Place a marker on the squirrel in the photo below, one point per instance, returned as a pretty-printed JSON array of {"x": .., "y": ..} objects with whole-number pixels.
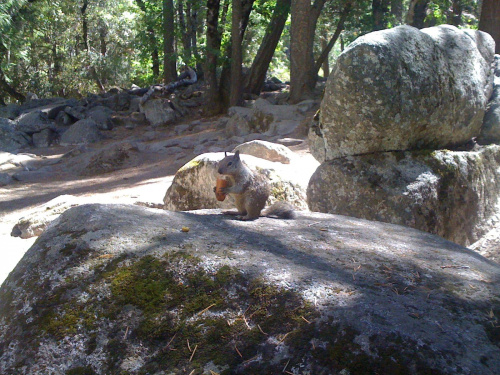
[{"x": 250, "y": 191}]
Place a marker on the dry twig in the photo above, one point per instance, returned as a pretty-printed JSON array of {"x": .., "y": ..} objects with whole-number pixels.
[
  {"x": 206, "y": 309},
  {"x": 192, "y": 354},
  {"x": 237, "y": 351}
]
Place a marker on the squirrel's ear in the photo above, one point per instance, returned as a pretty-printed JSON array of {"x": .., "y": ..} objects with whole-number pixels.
[
  {"x": 237, "y": 154},
  {"x": 225, "y": 154}
]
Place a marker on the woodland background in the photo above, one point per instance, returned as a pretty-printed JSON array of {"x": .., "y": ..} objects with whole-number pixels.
[{"x": 72, "y": 48}]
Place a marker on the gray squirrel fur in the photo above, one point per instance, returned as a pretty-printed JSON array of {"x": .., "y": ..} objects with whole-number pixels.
[{"x": 250, "y": 191}]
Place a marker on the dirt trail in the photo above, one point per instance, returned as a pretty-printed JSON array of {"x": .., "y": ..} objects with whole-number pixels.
[{"x": 145, "y": 178}]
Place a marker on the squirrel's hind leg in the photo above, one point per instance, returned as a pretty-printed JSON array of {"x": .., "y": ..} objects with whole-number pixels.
[{"x": 252, "y": 211}]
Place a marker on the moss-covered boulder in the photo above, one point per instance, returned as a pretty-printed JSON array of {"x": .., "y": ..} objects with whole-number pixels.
[
  {"x": 450, "y": 193},
  {"x": 116, "y": 289},
  {"x": 192, "y": 187}
]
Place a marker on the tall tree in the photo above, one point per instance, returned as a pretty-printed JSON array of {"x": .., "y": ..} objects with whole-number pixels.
[
  {"x": 257, "y": 75},
  {"x": 211, "y": 56},
  {"x": 169, "y": 58},
  {"x": 417, "y": 11},
  {"x": 380, "y": 10},
  {"x": 151, "y": 35},
  {"x": 183, "y": 29},
  {"x": 304, "y": 17},
  {"x": 490, "y": 21},
  {"x": 328, "y": 46},
  {"x": 236, "y": 54},
  {"x": 85, "y": 34},
  {"x": 455, "y": 16},
  {"x": 397, "y": 11}
]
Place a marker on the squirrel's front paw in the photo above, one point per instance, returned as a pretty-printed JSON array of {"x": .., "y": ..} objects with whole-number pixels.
[{"x": 215, "y": 189}]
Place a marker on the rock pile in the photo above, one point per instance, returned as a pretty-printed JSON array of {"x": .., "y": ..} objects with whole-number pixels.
[
  {"x": 43, "y": 122},
  {"x": 395, "y": 101}
]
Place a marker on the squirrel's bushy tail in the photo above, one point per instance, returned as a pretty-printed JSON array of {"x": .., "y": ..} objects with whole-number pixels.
[{"x": 281, "y": 210}]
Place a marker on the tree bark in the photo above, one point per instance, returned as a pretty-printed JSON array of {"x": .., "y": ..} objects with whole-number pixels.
[
  {"x": 183, "y": 27},
  {"x": 490, "y": 21},
  {"x": 153, "y": 43},
  {"x": 85, "y": 27},
  {"x": 397, "y": 11},
  {"x": 225, "y": 80},
  {"x": 340, "y": 27},
  {"x": 455, "y": 17},
  {"x": 302, "y": 32},
  {"x": 212, "y": 52},
  {"x": 380, "y": 9},
  {"x": 260, "y": 64},
  {"x": 169, "y": 67},
  {"x": 85, "y": 34},
  {"x": 417, "y": 11},
  {"x": 235, "y": 90},
  {"x": 8, "y": 89}
]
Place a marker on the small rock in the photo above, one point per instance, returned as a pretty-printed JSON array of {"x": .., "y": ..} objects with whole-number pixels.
[
  {"x": 180, "y": 129},
  {"x": 44, "y": 138},
  {"x": 266, "y": 150},
  {"x": 5, "y": 179}
]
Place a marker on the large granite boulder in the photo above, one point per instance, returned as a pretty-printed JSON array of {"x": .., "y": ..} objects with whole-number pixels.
[
  {"x": 33, "y": 122},
  {"x": 102, "y": 116},
  {"x": 490, "y": 132},
  {"x": 158, "y": 112},
  {"x": 192, "y": 187},
  {"x": 121, "y": 289},
  {"x": 10, "y": 138},
  {"x": 452, "y": 194},
  {"x": 81, "y": 132},
  {"x": 264, "y": 117},
  {"x": 34, "y": 223},
  {"x": 266, "y": 150},
  {"x": 406, "y": 89}
]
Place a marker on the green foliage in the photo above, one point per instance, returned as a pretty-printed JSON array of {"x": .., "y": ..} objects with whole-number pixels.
[{"x": 42, "y": 49}]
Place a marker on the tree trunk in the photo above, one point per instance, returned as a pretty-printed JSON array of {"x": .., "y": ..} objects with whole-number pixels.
[
  {"x": 185, "y": 35},
  {"x": 225, "y": 80},
  {"x": 380, "y": 9},
  {"x": 235, "y": 90},
  {"x": 455, "y": 17},
  {"x": 169, "y": 68},
  {"x": 325, "y": 66},
  {"x": 303, "y": 27},
  {"x": 8, "y": 89},
  {"x": 490, "y": 21},
  {"x": 397, "y": 11},
  {"x": 260, "y": 64},
  {"x": 153, "y": 43},
  {"x": 85, "y": 27},
  {"x": 340, "y": 27},
  {"x": 212, "y": 52},
  {"x": 85, "y": 34},
  {"x": 193, "y": 25},
  {"x": 417, "y": 11},
  {"x": 103, "y": 32}
]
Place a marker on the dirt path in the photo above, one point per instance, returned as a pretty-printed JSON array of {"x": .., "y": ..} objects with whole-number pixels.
[{"x": 145, "y": 177}]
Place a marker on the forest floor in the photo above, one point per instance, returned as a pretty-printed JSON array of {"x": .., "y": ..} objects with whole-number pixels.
[{"x": 145, "y": 179}]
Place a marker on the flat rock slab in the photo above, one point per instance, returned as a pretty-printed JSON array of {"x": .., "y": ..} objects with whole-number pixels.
[{"x": 111, "y": 288}]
